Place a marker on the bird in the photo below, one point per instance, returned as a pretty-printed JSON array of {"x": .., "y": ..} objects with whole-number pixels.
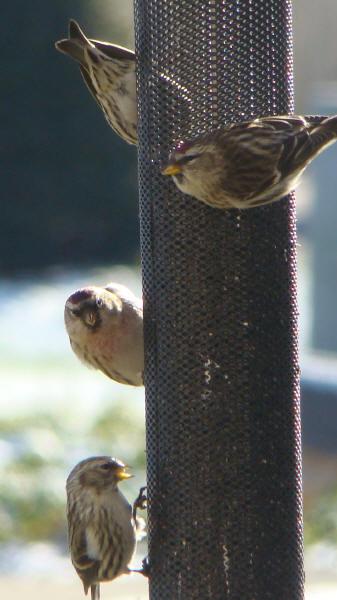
[
  {"x": 102, "y": 525},
  {"x": 251, "y": 163},
  {"x": 105, "y": 329},
  {"x": 109, "y": 72}
]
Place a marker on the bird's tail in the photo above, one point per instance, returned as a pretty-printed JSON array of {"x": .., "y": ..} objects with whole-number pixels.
[
  {"x": 322, "y": 133},
  {"x": 75, "y": 45},
  {"x": 80, "y": 48},
  {"x": 331, "y": 123},
  {"x": 95, "y": 591}
]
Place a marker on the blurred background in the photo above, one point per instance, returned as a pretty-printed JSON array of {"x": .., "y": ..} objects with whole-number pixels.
[{"x": 69, "y": 217}]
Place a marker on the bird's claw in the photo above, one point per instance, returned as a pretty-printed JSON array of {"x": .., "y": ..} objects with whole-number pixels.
[
  {"x": 140, "y": 502},
  {"x": 145, "y": 570}
]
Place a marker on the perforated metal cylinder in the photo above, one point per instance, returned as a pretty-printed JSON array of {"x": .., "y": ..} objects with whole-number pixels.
[{"x": 223, "y": 431}]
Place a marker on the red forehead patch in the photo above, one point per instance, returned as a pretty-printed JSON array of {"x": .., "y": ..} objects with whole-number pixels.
[
  {"x": 80, "y": 296},
  {"x": 182, "y": 147}
]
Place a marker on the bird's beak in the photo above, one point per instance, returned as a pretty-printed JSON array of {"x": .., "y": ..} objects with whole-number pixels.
[
  {"x": 122, "y": 474},
  {"x": 172, "y": 169}
]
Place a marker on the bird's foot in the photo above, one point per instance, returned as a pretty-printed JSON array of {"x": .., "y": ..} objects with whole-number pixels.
[
  {"x": 145, "y": 570},
  {"x": 140, "y": 502}
]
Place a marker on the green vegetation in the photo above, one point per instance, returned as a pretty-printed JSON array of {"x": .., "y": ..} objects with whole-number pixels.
[{"x": 321, "y": 521}]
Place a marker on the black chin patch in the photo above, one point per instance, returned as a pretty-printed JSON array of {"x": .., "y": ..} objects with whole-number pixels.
[{"x": 179, "y": 177}]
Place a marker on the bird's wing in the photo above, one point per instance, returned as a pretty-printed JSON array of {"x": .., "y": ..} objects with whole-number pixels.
[
  {"x": 114, "y": 51},
  {"x": 86, "y": 567},
  {"x": 252, "y": 156},
  {"x": 264, "y": 152}
]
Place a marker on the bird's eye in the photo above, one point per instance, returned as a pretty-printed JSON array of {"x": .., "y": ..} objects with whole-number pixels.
[
  {"x": 99, "y": 301},
  {"x": 191, "y": 157},
  {"x": 106, "y": 466},
  {"x": 90, "y": 318}
]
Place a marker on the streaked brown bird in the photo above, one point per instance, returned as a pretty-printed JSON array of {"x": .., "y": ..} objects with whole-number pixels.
[
  {"x": 102, "y": 528},
  {"x": 109, "y": 71},
  {"x": 252, "y": 163},
  {"x": 105, "y": 328}
]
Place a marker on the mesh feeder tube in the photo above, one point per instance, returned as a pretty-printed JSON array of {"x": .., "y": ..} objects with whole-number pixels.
[{"x": 220, "y": 315}]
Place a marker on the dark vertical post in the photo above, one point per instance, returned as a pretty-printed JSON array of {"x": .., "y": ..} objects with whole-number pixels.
[{"x": 223, "y": 431}]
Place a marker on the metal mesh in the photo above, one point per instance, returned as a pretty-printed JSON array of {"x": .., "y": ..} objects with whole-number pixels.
[{"x": 223, "y": 431}]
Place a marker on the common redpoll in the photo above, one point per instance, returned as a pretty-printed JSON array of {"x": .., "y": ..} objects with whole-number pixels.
[
  {"x": 110, "y": 74},
  {"x": 248, "y": 164},
  {"x": 102, "y": 530},
  {"x": 105, "y": 328}
]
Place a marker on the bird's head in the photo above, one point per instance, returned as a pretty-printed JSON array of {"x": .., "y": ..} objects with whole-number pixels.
[
  {"x": 87, "y": 308},
  {"x": 188, "y": 163},
  {"x": 98, "y": 473}
]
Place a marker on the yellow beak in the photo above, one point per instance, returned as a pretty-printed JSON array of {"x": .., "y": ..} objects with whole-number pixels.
[
  {"x": 172, "y": 169},
  {"x": 122, "y": 474}
]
